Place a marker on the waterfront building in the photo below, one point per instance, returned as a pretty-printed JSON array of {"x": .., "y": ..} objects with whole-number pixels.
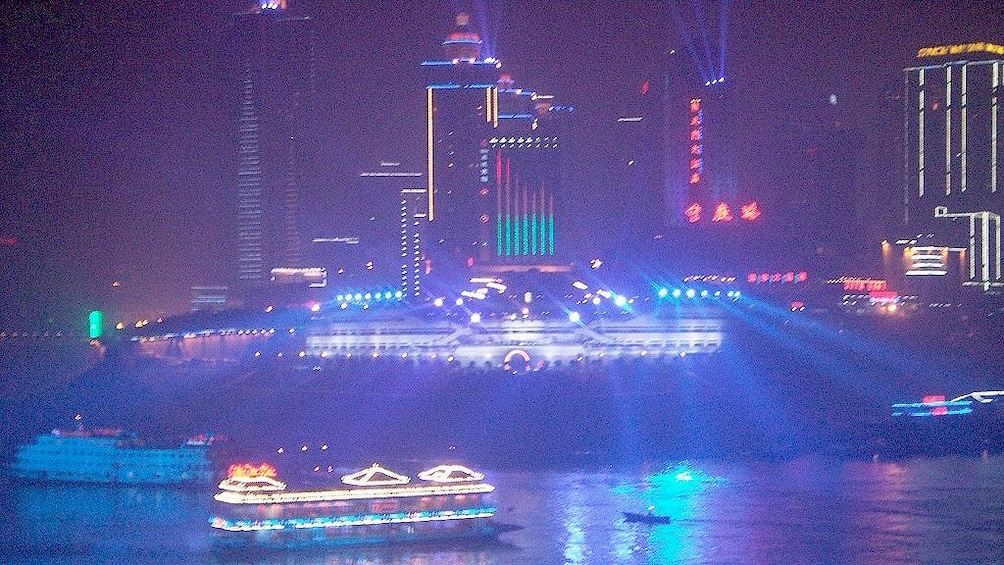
[
  {"x": 954, "y": 164},
  {"x": 275, "y": 140}
]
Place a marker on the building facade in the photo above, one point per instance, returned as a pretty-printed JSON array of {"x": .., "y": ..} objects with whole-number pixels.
[
  {"x": 954, "y": 152},
  {"x": 494, "y": 162},
  {"x": 275, "y": 136}
]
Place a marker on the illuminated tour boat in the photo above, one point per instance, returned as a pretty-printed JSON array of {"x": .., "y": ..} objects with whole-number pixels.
[
  {"x": 375, "y": 506},
  {"x": 109, "y": 455}
]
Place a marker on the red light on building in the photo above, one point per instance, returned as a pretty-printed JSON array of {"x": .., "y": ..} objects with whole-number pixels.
[
  {"x": 722, "y": 213},
  {"x": 776, "y": 278},
  {"x": 789, "y": 277},
  {"x": 865, "y": 284},
  {"x": 695, "y": 105},
  {"x": 644, "y": 88},
  {"x": 695, "y": 164},
  {"x": 693, "y": 213},
  {"x": 695, "y": 149},
  {"x": 937, "y": 410},
  {"x": 695, "y": 178},
  {"x": 750, "y": 211},
  {"x": 695, "y": 135},
  {"x": 883, "y": 296},
  {"x": 765, "y": 277},
  {"x": 802, "y": 277},
  {"x": 751, "y": 278}
]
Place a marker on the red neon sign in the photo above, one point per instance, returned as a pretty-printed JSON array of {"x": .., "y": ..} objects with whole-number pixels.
[
  {"x": 693, "y": 213},
  {"x": 722, "y": 213},
  {"x": 750, "y": 211}
]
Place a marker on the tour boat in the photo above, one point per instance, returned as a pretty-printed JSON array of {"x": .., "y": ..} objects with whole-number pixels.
[
  {"x": 109, "y": 455},
  {"x": 371, "y": 506}
]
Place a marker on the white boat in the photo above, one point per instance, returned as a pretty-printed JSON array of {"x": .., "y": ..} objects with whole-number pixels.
[{"x": 106, "y": 455}]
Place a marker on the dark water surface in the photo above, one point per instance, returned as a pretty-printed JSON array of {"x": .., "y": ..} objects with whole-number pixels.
[{"x": 921, "y": 510}]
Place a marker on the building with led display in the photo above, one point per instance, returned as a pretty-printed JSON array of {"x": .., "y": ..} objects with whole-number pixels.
[
  {"x": 275, "y": 136},
  {"x": 494, "y": 162},
  {"x": 954, "y": 152}
]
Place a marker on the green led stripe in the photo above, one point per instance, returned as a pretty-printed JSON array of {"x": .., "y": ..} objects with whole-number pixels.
[
  {"x": 533, "y": 240},
  {"x": 498, "y": 234},
  {"x": 508, "y": 235}
]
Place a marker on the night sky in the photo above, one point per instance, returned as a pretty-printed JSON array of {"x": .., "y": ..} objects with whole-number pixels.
[{"x": 118, "y": 122}]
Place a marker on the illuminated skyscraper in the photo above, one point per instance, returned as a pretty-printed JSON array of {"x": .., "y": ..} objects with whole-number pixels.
[
  {"x": 954, "y": 165},
  {"x": 275, "y": 67},
  {"x": 494, "y": 161}
]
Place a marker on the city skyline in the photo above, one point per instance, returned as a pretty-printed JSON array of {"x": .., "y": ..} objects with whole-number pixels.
[{"x": 120, "y": 130}]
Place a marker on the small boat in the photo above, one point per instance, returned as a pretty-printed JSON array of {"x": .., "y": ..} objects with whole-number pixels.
[{"x": 648, "y": 518}]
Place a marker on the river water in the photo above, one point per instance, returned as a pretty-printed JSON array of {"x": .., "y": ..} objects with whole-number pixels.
[{"x": 921, "y": 510}]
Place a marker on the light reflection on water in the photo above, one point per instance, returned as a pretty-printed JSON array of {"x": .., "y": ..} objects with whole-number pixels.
[{"x": 947, "y": 510}]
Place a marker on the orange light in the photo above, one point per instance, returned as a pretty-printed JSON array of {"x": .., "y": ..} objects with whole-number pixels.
[
  {"x": 750, "y": 211},
  {"x": 693, "y": 213},
  {"x": 251, "y": 471},
  {"x": 722, "y": 213}
]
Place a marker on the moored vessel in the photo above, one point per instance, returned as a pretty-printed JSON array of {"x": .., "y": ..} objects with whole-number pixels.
[
  {"x": 109, "y": 455},
  {"x": 371, "y": 506}
]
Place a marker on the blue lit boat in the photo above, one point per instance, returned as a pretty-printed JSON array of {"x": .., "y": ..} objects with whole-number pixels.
[
  {"x": 107, "y": 455},
  {"x": 372, "y": 506}
]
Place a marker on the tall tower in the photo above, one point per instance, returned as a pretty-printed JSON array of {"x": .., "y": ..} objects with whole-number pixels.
[
  {"x": 275, "y": 67},
  {"x": 494, "y": 166}
]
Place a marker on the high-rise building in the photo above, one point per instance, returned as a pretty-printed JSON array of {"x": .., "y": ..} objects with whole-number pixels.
[
  {"x": 275, "y": 139},
  {"x": 494, "y": 162},
  {"x": 414, "y": 221},
  {"x": 954, "y": 161}
]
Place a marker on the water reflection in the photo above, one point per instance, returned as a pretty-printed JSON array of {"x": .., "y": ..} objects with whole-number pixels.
[{"x": 948, "y": 510}]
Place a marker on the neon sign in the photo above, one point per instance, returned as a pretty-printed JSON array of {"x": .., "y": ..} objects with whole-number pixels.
[
  {"x": 944, "y": 50},
  {"x": 723, "y": 212},
  {"x": 777, "y": 277},
  {"x": 693, "y": 213},
  {"x": 696, "y": 135},
  {"x": 865, "y": 284},
  {"x": 750, "y": 211}
]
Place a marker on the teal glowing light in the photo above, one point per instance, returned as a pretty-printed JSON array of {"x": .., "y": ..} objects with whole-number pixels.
[
  {"x": 663, "y": 292},
  {"x": 95, "y": 324}
]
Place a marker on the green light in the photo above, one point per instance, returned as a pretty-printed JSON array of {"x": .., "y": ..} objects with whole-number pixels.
[
  {"x": 533, "y": 237},
  {"x": 498, "y": 234},
  {"x": 95, "y": 324},
  {"x": 508, "y": 235}
]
